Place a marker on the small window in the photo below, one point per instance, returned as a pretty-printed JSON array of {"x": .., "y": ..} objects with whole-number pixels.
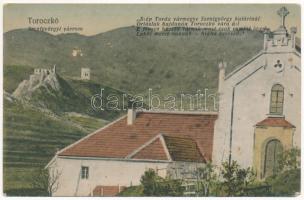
[
  {"x": 84, "y": 172},
  {"x": 277, "y": 100}
]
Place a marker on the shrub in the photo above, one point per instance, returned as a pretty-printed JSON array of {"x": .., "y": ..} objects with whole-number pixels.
[
  {"x": 154, "y": 185},
  {"x": 289, "y": 159},
  {"x": 132, "y": 191},
  {"x": 286, "y": 183},
  {"x": 207, "y": 180},
  {"x": 235, "y": 179}
]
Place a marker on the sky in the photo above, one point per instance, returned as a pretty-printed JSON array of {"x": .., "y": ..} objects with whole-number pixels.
[{"x": 98, "y": 18}]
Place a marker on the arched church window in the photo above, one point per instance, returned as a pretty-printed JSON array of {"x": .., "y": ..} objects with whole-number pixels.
[
  {"x": 277, "y": 99},
  {"x": 272, "y": 151}
]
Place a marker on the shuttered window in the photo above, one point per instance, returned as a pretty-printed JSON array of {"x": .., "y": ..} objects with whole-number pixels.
[{"x": 277, "y": 100}]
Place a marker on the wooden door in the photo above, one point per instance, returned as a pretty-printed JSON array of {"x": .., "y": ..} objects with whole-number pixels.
[{"x": 272, "y": 151}]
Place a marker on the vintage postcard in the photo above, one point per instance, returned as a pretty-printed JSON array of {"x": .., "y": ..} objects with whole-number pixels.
[{"x": 155, "y": 100}]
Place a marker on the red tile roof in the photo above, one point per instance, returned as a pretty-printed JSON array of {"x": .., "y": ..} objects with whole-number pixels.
[
  {"x": 118, "y": 140},
  {"x": 275, "y": 122},
  {"x": 108, "y": 191},
  {"x": 163, "y": 147},
  {"x": 153, "y": 151}
]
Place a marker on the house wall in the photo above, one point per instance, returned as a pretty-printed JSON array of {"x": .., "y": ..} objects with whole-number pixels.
[
  {"x": 251, "y": 104},
  {"x": 101, "y": 172}
]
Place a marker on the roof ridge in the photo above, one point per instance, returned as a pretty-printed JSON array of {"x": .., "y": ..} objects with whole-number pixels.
[
  {"x": 149, "y": 142},
  {"x": 178, "y": 136},
  {"x": 177, "y": 112}
]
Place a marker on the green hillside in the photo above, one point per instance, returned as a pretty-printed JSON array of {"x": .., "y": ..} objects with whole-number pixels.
[
  {"x": 124, "y": 61},
  {"x": 74, "y": 95},
  {"x": 30, "y": 140}
]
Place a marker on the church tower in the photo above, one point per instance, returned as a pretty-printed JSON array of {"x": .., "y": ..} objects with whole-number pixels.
[{"x": 280, "y": 39}]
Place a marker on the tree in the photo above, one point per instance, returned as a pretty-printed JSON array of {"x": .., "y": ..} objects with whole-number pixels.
[
  {"x": 149, "y": 181},
  {"x": 46, "y": 180},
  {"x": 235, "y": 179}
]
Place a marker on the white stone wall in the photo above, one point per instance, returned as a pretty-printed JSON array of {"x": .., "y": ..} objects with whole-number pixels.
[
  {"x": 252, "y": 102},
  {"x": 101, "y": 172}
]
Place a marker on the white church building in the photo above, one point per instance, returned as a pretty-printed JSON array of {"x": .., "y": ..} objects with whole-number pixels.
[
  {"x": 260, "y": 104},
  {"x": 259, "y": 116}
]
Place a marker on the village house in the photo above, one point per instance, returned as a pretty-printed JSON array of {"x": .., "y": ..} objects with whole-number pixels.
[
  {"x": 259, "y": 116},
  {"x": 118, "y": 154}
]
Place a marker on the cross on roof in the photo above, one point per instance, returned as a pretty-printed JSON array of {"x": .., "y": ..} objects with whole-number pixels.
[{"x": 283, "y": 12}]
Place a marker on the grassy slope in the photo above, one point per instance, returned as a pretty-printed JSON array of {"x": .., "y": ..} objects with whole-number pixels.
[{"x": 30, "y": 140}]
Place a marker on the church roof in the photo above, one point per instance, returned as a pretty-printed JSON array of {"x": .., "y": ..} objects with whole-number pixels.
[
  {"x": 275, "y": 122},
  {"x": 181, "y": 134}
]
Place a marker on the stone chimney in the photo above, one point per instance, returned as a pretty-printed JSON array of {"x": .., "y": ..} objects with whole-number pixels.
[
  {"x": 222, "y": 67},
  {"x": 293, "y": 31},
  {"x": 131, "y": 116}
]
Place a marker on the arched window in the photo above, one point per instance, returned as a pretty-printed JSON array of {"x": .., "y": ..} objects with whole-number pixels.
[
  {"x": 272, "y": 151},
  {"x": 277, "y": 99}
]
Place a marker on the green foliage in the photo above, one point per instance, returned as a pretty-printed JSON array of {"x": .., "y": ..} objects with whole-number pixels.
[
  {"x": 258, "y": 189},
  {"x": 25, "y": 192},
  {"x": 132, "y": 191},
  {"x": 40, "y": 180},
  {"x": 207, "y": 180},
  {"x": 154, "y": 185},
  {"x": 289, "y": 159},
  {"x": 235, "y": 179},
  {"x": 232, "y": 180},
  {"x": 46, "y": 180},
  {"x": 286, "y": 183}
]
